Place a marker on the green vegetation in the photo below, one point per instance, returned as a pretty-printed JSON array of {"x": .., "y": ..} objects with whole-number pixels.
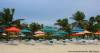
[
  {"x": 35, "y": 27},
  {"x": 6, "y": 18},
  {"x": 93, "y": 24},
  {"x": 64, "y": 25}
]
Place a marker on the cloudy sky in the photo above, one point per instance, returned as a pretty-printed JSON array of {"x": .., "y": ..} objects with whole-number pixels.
[{"x": 48, "y": 11}]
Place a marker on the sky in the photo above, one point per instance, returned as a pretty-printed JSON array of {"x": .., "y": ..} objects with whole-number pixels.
[{"x": 48, "y": 11}]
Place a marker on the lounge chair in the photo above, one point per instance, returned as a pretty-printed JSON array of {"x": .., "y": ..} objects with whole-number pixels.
[
  {"x": 95, "y": 41},
  {"x": 50, "y": 42},
  {"x": 64, "y": 42},
  {"x": 83, "y": 42},
  {"x": 13, "y": 42},
  {"x": 30, "y": 42},
  {"x": 54, "y": 41},
  {"x": 67, "y": 40}
]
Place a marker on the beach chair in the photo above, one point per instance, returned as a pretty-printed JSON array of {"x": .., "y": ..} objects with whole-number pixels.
[
  {"x": 37, "y": 41},
  {"x": 50, "y": 42},
  {"x": 59, "y": 42},
  {"x": 21, "y": 36},
  {"x": 73, "y": 40},
  {"x": 96, "y": 42},
  {"x": 64, "y": 42},
  {"x": 83, "y": 42},
  {"x": 90, "y": 41},
  {"x": 45, "y": 42},
  {"x": 13, "y": 42},
  {"x": 67, "y": 40},
  {"x": 54, "y": 41},
  {"x": 40, "y": 40},
  {"x": 30, "y": 42}
]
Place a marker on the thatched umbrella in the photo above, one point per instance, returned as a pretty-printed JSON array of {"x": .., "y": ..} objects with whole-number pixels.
[
  {"x": 86, "y": 32},
  {"x": 39, "y": 33}
]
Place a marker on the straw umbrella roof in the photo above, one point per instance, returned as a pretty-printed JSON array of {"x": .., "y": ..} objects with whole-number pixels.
[
  {"x": 80, "y": 33},
  {"x": 39, "y": 33},
  {"x": 86, "y": 32}
]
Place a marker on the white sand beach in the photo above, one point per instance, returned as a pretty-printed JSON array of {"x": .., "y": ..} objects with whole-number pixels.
[{"x": 40, "y": 48}]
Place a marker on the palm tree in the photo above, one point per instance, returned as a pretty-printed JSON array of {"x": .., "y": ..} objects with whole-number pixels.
[
  {"x": 35, "y": 27},
  {"x": 91, "y": 23},
  {"x": 97, "y": 18},
  {"x": 17, "y": 23},
  {"x": 97, "y": 26},
  {"x": 23, "y": 26},
  {"x": 79, "y": 18},
  {"x": 64, "y": 25},
  {"x": 7, "y": 17},
  {"x": 1, "y": 19},
  {"x": 8, "y": 14}
]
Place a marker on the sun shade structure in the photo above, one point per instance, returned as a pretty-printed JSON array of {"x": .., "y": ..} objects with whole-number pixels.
[
  {"x": 86, "y": 32},
  {"x": 77, "y": 29},
  {"x": 25, "y": 30},
  {"x": 60, "y": 33},
  {"x": 98, "y": 33},
  {"x": 12, "y": 29},
  {"x": 80, "y": 33},
  {"x": 39, "y": 33},
  {"x": 49, "y": 29},
  {"x": 74, "y": 34}
]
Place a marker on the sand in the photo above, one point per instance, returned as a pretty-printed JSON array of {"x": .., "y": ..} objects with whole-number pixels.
[{"x": 40, "y": 48}]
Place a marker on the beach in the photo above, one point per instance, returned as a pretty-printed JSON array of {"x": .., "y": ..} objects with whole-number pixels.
[{"x": 40, "y": 48}]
